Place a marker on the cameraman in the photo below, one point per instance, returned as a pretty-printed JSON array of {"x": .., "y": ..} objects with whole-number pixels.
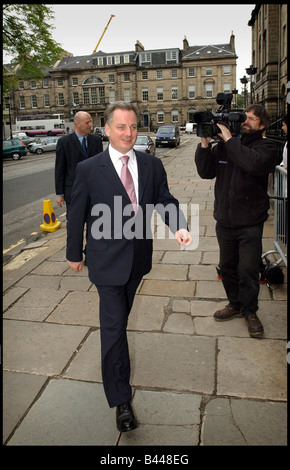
[{"x": 241, "y": 166}]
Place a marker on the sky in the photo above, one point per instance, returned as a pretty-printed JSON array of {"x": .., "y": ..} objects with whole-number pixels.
[{"x": 78, "y": 27}]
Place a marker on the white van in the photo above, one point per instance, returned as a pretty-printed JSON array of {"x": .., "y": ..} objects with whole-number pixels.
[{"x": 189, "y": 128}]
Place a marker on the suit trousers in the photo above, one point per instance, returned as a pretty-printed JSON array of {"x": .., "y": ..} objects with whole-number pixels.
[
  {"x": 115, "y": 306},
  {"x": 240, "y": 258}
]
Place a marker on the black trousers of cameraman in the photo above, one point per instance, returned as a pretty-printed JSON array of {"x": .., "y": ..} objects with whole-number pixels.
[{"x": 240, "y": 257}]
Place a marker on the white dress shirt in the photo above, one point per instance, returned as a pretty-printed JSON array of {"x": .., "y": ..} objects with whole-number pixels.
[{"x": 132, "y": 165}]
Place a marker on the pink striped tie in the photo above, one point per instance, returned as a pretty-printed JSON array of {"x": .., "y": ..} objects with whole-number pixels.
[{"x": 128, "y": 183}]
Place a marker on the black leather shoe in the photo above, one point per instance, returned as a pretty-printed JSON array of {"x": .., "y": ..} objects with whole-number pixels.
[{"x": 126, "y": 420}]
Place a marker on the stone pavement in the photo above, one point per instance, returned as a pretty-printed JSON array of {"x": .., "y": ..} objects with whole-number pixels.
[{"x": 196, "y": 382}]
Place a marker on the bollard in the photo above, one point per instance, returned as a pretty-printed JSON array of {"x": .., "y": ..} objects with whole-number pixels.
[{"x": 50, "y": 224}]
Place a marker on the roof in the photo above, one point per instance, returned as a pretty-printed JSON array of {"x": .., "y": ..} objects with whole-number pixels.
[{"x": 202, "y": 52}]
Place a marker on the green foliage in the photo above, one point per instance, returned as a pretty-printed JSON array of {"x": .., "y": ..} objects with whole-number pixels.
[{"x": 27, "y": 38}]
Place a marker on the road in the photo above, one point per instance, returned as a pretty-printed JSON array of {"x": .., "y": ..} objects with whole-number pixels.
[{"x": 26, "y": 184}]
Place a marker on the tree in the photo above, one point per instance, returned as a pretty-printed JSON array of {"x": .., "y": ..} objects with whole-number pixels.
[{"x": 27, "y": 38}]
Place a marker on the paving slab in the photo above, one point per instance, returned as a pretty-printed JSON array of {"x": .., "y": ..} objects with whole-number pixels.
[
  {"x": 252, "y": 368},
  {"x": 244, "y": 423},
  {"x": 74, "y": 413},
  {"x": 39, "y": 348},
  {"x": 19, "y": 391}
]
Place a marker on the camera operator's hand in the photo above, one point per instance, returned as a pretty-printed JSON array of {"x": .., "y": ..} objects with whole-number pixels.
[
  {"x": 205, "y": 142},
  {"x": 225, "y": 132}
]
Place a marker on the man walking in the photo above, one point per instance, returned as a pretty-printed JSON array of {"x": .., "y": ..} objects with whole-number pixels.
[
  {"x": 70, "y": 150},
  {"x": 126, "y": 186},
  {"x": 241, "y": 166}
]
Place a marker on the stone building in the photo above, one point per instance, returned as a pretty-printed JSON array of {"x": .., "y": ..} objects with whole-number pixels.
[
  {"x": 269, "y": 56},
  {"x": 167, "y": 85}
]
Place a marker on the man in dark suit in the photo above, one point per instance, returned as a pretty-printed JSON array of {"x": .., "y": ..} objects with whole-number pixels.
[
  {"x": 119, "y": 247},
  {"x": 71, "y": 150}
]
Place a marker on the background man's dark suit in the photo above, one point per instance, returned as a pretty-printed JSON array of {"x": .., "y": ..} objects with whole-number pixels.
[
  {"x": 118, "y": 261},
  {"x": 69, "y": 153}
]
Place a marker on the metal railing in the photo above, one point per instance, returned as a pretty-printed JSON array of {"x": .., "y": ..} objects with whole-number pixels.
[{"x": 280, "y": 212}]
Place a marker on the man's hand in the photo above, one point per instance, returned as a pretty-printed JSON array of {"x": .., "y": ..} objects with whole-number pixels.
[
  {"x": 183, "y": 237},
  {"x": 76, "y": 265},
  {"x": 225, "y": 132},
  {"x": 205, "y": 142},
  {"x": 60, "y": 201}
]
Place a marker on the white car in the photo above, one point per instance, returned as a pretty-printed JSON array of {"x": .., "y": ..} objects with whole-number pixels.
[{"x": 45, "y": 145}]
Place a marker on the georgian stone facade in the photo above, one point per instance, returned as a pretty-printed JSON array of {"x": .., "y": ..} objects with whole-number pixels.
[
  {"x": 269, "y": 56},
  {"x": 167, "y": 85}
]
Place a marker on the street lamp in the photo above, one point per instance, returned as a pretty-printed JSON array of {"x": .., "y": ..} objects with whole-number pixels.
[
  {"x": 7, "y": 100},
  {"x": 251, "y": 71},
  {"x": 244, "y": 81},
  {"x": 235, "y": 92}
]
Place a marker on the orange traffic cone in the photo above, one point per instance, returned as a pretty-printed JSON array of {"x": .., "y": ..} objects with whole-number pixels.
[{"x": 50, "y": 224}]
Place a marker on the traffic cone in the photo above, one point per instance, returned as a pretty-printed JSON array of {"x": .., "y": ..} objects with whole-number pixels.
[{"x": 50, "y": 223}]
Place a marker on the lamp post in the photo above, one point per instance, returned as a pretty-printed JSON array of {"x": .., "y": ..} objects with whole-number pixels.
[
  {"x": 251, "y": 71},
  {"x": 7, "y": 100},
  {"x": 235, "y": 92},
  {"x": 244, "y": 81}
]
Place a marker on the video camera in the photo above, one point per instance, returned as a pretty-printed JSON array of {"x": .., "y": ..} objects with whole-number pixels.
[{"x": 232, "y": 118}]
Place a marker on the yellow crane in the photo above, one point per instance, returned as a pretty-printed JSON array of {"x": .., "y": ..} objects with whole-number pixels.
[{"x": 103, "y": 33}]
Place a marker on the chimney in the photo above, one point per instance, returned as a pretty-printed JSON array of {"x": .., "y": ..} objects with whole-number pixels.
[
  {"x": 138, "y": 46},
  {"x": 232, "y": 42},
  {"x": 185, "y": 44}
]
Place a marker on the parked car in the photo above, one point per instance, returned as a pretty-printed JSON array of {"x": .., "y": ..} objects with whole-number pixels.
[
  {"x": 168, "y": 135},
  {"x": 23, "y": 137},
  {"x": 101, "y": 132},
  {"x": 144, "y": 143},
  {"x": 45, "y": 145},
  {"x": 14, "y": 148}
]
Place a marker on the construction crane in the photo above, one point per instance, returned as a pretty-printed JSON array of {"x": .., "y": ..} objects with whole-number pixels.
[{"x": 103, "y": 33}]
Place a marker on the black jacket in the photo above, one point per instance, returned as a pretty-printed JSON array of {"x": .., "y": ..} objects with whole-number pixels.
[
  {"x": 69, "y": 153},
  {"x": 241, "y": 167}
]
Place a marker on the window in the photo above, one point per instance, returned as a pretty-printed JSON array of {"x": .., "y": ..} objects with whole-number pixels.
[
  {"x": 159, "y": 94},
  {"x": 45, "y": 82},
  {"x": 100, "y": 60},
  {"x": 112, "y": 96},
  {"x": 145, "y": 96},
  {"x": 21, "y": 85},
  {"x": 174, "y": 116},
  {"x": 46, "y": 101},
  {"x": 22, "y": 102},
  {"x": 191, "y": 91},
  {"x": 76, "y": 99},
  {"x": 126, "y": 59},
  {"x": 111, "y": 78},
  {"x": 144, "y": 75},
  {"x": 174, "y": 93},
  {"x": 160, "y": 117},
  {"x": 208, "y": 90},
  {"x": 94, "y": 95},
  {"x": 75, "y": 81},
  {"x": 34, "y": 101},
  {"x": 208, "y": 71},
  {"x": 126, "y": 76},
  {"x": 159, "y": 74},
  {"x": 32, "y": 84},
  {"x": 174, "y": 73},
  {"x": 191, "y": 72},
  {"x": 60, "y": 99},
  {"x": 145, "y": 57},
  {"x": 171, "y": 56},
  {"x": 117, "y": 59},
  {"x": 127, "y": 95},
  {"x": 109, "y": 60},
  {"x": 227, "y": 87},
  {"x": 60, "y": 82},
  {"x": 227, "y": 69}
]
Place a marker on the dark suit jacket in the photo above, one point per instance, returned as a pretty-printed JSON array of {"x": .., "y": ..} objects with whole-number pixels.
[
  {"x": 112, "y": 256},
  {"x": 69, "y": 153}
]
